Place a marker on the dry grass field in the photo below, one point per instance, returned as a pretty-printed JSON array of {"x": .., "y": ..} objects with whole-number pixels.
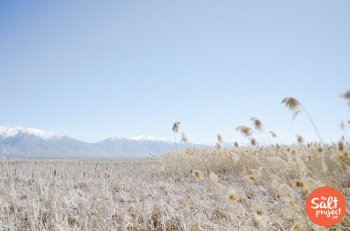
[{"x": 238, "y": 188}]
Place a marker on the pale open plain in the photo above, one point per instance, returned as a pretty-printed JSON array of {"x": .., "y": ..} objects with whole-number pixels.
[{"x": 198, "y": 189}]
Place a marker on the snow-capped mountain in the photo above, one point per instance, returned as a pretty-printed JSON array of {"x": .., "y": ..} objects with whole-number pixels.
[
  {"x": 139, "y": 145},
  {"x": 149, "y": 138},
  {"x": 18, "y": 141},
  {"x": 31, "y": 142},
  {"x": 139, "y": 138},
  {"x": 6, "y": 132}
]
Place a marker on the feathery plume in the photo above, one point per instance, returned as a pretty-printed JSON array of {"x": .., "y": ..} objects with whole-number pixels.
[
  {"x": 176, "y": 127},
  {"x": 257, "y": 124},
  {"x": 260, "y": 127},
  {"x": 246, "y": 131},
  {"x": 252, "y": 141},
  {"x": 300, "y": 139},
  {"x": 346, "y": 96},
  {"x": 273, "y": 134},
  {"x": 293, "y": 105},
  {"x": 219, "y": 138}
]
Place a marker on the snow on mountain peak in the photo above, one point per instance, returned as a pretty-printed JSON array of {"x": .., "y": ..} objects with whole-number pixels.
[
  {"x": 140, "y": 138},
  {"x": 148, "y": 138},
  {"x": 6, "y": 132}
]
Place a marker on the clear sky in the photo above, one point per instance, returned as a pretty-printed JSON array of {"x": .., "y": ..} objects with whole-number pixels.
[{"x": 96, "y": 69}]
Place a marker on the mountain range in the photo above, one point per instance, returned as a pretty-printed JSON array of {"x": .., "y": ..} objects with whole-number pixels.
[{"x": 29, "y": 142}]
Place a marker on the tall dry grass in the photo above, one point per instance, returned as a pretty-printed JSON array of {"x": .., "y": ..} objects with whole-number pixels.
[
  {"x": 268, "y": 184},
  {"x": 239, "y": 188}
]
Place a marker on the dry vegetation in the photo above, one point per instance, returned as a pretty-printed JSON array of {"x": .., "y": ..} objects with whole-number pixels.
[
  {"x": 250, "y": 188},
  {"x": 257, "y": 188},
  {"x": 236, "y": 188}
]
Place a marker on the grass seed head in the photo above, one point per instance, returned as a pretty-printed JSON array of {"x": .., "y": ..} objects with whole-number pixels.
[
  {"x": 260, "y": 219},
  {"x": 299, "y": 184},
  {"x": 197, "y": 174},
  {"x": 176, "y": 127},
  {"x": 300, "y": 139},
  {"x": 346, "y": 96},
  {"x": 251, "y": 178},
  {"x": 273, "y": 134},
  {"x": 233, "y": 196},
  {"x": 257, "y": 124},
  {"x": 219, "y": 138},
  {"x": 293, "y": 105},
  {"x": 244, "y": 130},
  {"x": 253, "y": 141}
]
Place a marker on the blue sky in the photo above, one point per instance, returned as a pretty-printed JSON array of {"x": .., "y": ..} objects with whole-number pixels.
[{"x": 95, "y": 69}]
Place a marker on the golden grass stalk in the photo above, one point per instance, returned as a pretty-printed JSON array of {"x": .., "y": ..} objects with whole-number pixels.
[
  {"x": 219, "y": 141},
  {"x": 175, "y": 129},
  {"x": 260, "y": 127},
  {"x": 296, "y": 107}
]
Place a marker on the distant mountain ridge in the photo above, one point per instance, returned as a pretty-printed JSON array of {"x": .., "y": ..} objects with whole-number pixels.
[
  {"x": 6, "y": 132},
  {"x": 30, "y": 142}
]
